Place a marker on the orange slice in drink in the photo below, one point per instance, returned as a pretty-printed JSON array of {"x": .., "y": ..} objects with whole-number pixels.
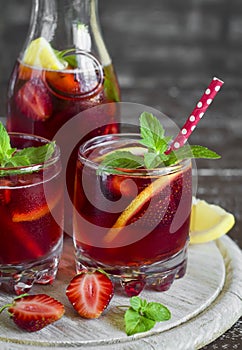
[
  {"x": 37, "y": 213},
  {"x": 137, "y": 203}
]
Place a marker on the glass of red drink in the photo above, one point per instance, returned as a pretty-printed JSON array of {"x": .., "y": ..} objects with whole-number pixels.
[
  {"x": 31, "y": 239},
  {"x": 134, "y": 224}
]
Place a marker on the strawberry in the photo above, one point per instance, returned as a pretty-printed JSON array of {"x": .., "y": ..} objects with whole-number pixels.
[
  {"x": 90, "y": 293},
  {"x": 34, "y": 312},
  {"x": 34, "y": 101}
]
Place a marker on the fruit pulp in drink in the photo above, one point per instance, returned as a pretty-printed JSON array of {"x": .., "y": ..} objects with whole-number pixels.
[{"x": 157, "y": 228}]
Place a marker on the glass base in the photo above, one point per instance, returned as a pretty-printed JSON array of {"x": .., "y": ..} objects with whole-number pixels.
[
  {"x": 158, "y": 276},
  {"x": 20, "y": 278}
]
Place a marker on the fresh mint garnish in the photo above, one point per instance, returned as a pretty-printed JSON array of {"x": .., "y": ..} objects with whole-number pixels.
[
  {"x": 141, "y": 316},
  {"x": 6, "y": 151},
  {"x": 11, "y": 157},
  {"x": 157, "y": 144},
  {"x": 65, "y": 57},
  {"x": 122, "y": 159}
]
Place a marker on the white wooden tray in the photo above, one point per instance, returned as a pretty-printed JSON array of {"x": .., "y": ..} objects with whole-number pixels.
[{"x": 204, "y": 304}]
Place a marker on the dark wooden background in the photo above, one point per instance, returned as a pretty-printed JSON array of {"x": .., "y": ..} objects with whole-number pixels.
[{"x": 165, "y": 53}]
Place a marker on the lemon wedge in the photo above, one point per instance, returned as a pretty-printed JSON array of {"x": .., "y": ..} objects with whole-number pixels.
[
  {"x": 208, "y": 222},
  {"x": 40, "y": 54}
]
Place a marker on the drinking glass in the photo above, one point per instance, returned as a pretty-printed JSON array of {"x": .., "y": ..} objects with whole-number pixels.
[
  {"x": 31, "y": 239},
  {"x": 131, "y": 223}
]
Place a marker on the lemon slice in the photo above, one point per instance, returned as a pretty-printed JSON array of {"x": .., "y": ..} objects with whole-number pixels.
[
  {"x": 39, "y": 53},
  {"x": 137, "y": 203},
  {"x": 208, "y": 222},
  {"x": 37, "y": 213}
]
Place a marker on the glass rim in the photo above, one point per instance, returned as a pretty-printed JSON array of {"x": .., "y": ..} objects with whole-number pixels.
[
  {"x": 32, "y": 167},
  {"x": 96, "y": 141}
]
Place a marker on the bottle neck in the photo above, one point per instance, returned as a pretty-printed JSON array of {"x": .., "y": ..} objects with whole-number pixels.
[{"x": 68, "y": 24}]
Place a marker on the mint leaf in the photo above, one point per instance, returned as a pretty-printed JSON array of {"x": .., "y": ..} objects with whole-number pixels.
[
  {"x": 152, "y": 160},
  {"x": 203, "y": 152},
  {"x": 157, "y": 312},
  {"x": 137, "y": 303},
  {"x": 65, "y": 57},
  {"x": 152, "y": 132},
  {"x": 121, "y": 159},
  {"x": 156, "y": 143},
  {"x": 35, "y": 155},
  {"x": 11, "y": 158},
  {"x": 142, "y": 316},
  {"x": 17, "y": 162},
  {"x": 189, "y": 152},
  {"x": 6, "y": 150},
  {"x": 136, "y": 323}
]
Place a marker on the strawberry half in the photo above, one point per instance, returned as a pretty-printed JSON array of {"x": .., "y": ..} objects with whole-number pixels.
[
  {"x": 34, "y": 312},
  {"x": 34, "y": 101},
  {"x": 90, "y": 293}
]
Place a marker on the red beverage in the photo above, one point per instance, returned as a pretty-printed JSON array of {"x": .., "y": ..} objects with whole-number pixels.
[
  {"x": 31, "y": 204},
  {"x": 41, "y": 101},
  {"x": 130, "y": 223}
]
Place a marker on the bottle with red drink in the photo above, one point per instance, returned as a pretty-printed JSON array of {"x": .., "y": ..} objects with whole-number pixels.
[{"x": 63, "y": 69}]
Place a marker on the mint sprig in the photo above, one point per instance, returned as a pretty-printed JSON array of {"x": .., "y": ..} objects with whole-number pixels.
[
  {"x": 6, "y": 151},
  {"x": 142, "y": 316},
  {"x": 157, "y": 144},
  {"x": 11, "y": 157}
]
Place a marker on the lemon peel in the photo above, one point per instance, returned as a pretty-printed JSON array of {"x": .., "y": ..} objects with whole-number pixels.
[
  {"x": 40, "y": 54},
  {"x": 208, "y": 222}
]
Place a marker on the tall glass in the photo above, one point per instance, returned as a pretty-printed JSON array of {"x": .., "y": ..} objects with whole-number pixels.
[
  {"x": 31, "y": 237},
  {"x": 133, "y": 224}
]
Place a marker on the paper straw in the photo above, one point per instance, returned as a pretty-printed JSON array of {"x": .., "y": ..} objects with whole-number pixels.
[{"x": 197, "y": 114}]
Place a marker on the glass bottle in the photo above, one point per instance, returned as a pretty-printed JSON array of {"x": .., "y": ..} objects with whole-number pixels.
[{"x": 63, "y": 69}]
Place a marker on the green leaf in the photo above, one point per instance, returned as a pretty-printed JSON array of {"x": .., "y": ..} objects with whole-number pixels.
[
  {"x": 203, "y": 152},
  {"x": 154, "y": 139},
  {"x": 152, "y": 160},
  {"x": 157, "y": 312},
  {"x": 10, "y": 158},
  {"x": 35, "y": 155},
  {"x": 137, "y": 303},
  {"x": 70, "y": 59},
  {"x": 136, "y": 323},
  {"x": 17, "y": 161},
  {"x": 6, "y": 150},
  {"x": 152, "y": 132},
  {"x": 122, "y": 159},
  {"x": 194, "y": 151}
]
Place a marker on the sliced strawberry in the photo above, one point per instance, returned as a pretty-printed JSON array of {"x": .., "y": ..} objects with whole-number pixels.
[
  {"x": 34, "y": 312},
  {"x": 90, "y": 293},
  {"x": 34, "y": 101}
]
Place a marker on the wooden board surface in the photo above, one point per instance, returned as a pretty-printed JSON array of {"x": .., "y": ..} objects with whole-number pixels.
[{"x": 199, "y": 304}]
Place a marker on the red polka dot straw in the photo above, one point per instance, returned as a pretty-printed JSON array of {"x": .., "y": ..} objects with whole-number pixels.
[{"x": 196, "y": 114}]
